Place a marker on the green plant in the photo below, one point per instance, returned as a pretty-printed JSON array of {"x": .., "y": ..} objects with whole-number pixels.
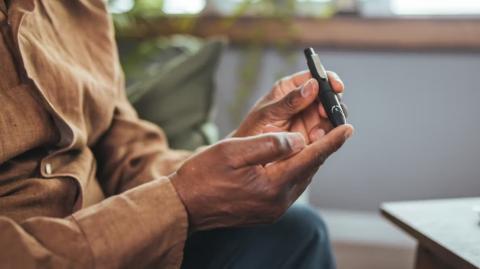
[{"x": 145, "y": 13}]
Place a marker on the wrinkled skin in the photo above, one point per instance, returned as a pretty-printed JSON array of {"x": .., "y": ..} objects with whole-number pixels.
[
  {"x": 255, "y": 176},
  {"x": 291, "y": 105}
]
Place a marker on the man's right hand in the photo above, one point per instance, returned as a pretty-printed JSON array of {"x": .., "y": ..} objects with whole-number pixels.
[{"x": 252, "y": 180}]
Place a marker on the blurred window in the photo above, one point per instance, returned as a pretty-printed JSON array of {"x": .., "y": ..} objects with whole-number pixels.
[
  {"x": 120, "y": 6},
  {"x": 315, "y": 8},
  {"x": 183, "y": 6},
  {"x": 435, "y": 7}
]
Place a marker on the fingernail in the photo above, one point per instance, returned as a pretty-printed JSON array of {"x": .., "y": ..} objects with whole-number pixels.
[
  {"x": 296, "y": 141},
  {"x": 307, "y": 89},
  {"x": 337, "y": 78},
  {"x": 317, "y": 133},
  {"x": 349, "y": 132}
]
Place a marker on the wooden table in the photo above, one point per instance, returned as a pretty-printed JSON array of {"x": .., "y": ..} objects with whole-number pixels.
[{"x": 448, "y": 231}]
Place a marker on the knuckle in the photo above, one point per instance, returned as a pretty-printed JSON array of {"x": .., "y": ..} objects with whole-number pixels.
[
  {"x": 278, "y": 83},
  {"x": 266, "y": 113},
  {"x": 290, "y": 102},
  {"x": 224, "y": 153},
  {"x": 255, "y": 173},
  {"x": 281, "y": 82}
]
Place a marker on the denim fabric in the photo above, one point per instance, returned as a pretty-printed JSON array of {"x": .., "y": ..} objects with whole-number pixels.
[{"x": 298, "y": 240}]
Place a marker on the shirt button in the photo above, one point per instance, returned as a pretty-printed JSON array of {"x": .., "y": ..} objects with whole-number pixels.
[{"x": 48, "y": 168}]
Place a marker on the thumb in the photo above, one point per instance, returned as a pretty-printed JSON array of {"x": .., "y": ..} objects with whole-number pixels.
[
  {"x": 263, "y": 149},
  {"x": 314, "y": 155},
  {"x": 294, "y": 102},
  {"x": 327, "y": 145}
]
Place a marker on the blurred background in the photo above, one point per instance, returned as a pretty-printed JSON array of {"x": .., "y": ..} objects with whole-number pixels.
[{"x": 410, "y": 67}]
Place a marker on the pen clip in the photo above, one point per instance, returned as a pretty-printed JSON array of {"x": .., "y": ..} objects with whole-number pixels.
[{"x": 319, "y": 67}]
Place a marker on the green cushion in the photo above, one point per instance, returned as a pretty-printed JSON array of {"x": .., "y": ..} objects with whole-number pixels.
[{"x": 171, "y": 83}]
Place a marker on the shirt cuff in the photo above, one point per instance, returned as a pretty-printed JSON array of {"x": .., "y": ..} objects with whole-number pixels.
[{"x": 142, "y": 227}]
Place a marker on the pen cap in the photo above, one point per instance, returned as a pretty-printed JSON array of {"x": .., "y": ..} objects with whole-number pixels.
[
  {"x": 309, "y": 52},
  {"x": 314, "y": 64}
]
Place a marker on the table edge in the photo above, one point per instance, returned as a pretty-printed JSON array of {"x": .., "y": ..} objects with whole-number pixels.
[{"x": 445, "y": 254}]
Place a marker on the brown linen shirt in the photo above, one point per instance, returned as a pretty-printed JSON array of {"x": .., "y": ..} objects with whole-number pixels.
[{"x": 63, "y": 113}]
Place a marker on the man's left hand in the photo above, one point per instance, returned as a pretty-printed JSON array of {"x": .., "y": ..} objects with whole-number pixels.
[{"x": 291, "y": 106}]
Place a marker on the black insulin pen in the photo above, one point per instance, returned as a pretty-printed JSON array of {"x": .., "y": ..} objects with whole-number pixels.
[{"x": 326, "y": 95}]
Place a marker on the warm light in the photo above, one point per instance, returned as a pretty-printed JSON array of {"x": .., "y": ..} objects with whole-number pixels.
[
  {"x": 183, "y": 6},
  {"x": 435, "y": 7}
]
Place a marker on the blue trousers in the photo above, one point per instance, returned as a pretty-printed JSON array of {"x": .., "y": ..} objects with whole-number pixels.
[{"x": 297, "y": 240}]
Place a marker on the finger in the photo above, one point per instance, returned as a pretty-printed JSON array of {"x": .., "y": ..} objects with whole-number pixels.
[
  {"x": 261, "y": 149},
  {"x": 335, "y": 82},
  {"x": 345, "y": 109},
  {"x": 322, "y": 112},
  {"x": 340, "y": 96},
  {"x": 321, "y": 109},
  {"x": 299, "y": 78},
  {"x": 311, "y": 121},
  {"x": 312, "y": 156},
  {"x": 269, "y": 128},
  {"x": 292, "y": 103},
  {"x": 298, "y": 126},
  {"x": 288, "y": 84},
  {"x": 325, "y": 125}
]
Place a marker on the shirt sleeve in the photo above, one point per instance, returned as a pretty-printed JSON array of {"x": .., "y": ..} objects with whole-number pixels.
[
  {"x": 133, "y": 151},
  {"x": 125, "y": 231}
]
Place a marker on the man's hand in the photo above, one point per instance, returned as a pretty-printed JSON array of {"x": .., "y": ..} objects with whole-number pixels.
[
  {"x": 291, "y": 106},
  {"x": 253, "y": 180}
]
